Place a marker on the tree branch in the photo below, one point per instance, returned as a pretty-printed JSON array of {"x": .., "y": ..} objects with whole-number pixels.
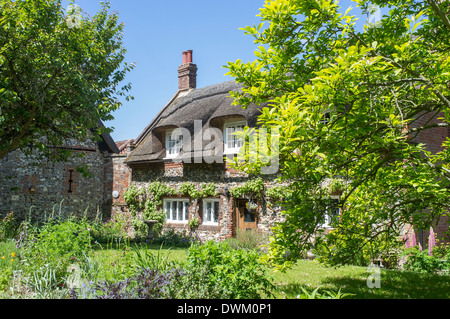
[{"x": 440, "y": 13}]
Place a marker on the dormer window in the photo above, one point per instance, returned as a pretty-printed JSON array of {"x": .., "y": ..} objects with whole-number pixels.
[
  {"x": 232, "y": 143},
  {"x": 174, "y": 140}
]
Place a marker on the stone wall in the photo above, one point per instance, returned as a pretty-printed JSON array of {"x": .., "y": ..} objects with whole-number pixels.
[{"x": 35, "y": 188}]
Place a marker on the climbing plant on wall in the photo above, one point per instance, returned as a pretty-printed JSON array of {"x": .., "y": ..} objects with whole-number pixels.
[
  {"x": 145, "y": 203},
  {"x": 254, "y": 190}
]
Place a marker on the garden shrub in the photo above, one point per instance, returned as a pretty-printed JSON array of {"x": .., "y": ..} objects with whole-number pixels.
[
  {"x": 419, "y": 261},
  {"x": 147, "y": 284},
  {"x": 172, "y": 237},
  {"x": 58, "y": 244},
  {"x": 219, "y": 271},
  {"x": 112, "y": 230},
  {"x": 8, "y": 227},
  {"x": 195, "y": 283},
  {"x": 247, "y": 239}
]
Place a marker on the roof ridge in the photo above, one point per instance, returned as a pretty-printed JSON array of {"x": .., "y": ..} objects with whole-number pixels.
[{"x": 187, "y": 100}]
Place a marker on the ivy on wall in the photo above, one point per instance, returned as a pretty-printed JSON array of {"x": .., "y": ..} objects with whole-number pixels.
[
  {"x": 140, "y": 199},
  {"x": 145, "y": 203},
  {"x": 254, "y": 189}
]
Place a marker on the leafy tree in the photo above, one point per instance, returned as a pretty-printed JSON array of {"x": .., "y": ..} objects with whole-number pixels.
[
  {"x": 350, "y": 104},
  {"x": 60, "y": 74}
]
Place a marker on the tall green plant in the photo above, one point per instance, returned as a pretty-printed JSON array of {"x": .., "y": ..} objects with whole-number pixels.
[
  {"x": 228, "y": 273},
  {"x": 146, "y": 259},
  {"x": 57, "y": 244},
  {"x": 8, "y": 227},
  {"x": 45, "y": 283}
]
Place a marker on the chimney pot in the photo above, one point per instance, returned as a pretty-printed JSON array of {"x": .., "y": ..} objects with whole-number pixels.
[{"x": 189, "y": 56}]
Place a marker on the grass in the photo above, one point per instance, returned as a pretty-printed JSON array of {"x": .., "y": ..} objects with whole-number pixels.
[
  {"x": 394, "y": 284},
  {"x": 111, "y": 253},
  {"x": 8, "y": 260}
]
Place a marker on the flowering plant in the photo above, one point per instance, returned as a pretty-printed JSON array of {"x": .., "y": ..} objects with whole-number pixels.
[{"x": 251, "y": 205}]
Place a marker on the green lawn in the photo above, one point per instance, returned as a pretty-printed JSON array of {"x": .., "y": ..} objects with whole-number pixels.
[
  {"x": 394, "y": 284},
  {"x": 309, "y": 274}
]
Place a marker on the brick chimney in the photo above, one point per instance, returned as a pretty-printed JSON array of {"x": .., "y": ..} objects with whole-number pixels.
[{"x": 187, "y": 72}]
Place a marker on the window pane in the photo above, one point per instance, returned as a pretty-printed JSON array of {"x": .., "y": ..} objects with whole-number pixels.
[
  {"x": 248, "y": 217},
  {"x": 167, "y": 209},
  {"x": 238, "y": 141},
  {"x": 174, "y": 210},
  {"x": 216, "y": 212},
  {"x": 208, "y": 211},
  {"x": 185, "y": 211},
  {"x": 174, "y": 142},
  {"x": 180, "y": 210},
  {"x": 229, "y": 137}
]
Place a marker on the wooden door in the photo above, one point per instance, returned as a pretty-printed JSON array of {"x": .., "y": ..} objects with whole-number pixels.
[{"x": 246, "y": 220}]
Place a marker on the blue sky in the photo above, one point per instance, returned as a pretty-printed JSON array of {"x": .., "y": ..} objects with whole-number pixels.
[{"x": 157, "y": 32}]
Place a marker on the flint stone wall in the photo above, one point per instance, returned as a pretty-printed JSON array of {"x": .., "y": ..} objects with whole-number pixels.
[{"x": 35, "y": 189}]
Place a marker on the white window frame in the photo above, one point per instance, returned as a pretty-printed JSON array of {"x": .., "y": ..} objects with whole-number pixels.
[
  {"x": 328, "y": 216},
  {"x": 174, "y": 142},
  {"x": 326, "y": 117},
  {"x": 211, "y": 202},
  {"x": 173, "y": 215},
  {"x": 227, "y": 135}
]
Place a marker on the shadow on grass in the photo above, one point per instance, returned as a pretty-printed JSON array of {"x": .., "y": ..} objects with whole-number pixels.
[{"x": 396, "y": 285}]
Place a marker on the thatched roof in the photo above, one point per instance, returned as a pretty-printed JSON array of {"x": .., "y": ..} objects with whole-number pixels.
[{"x": 211, "y": 105}]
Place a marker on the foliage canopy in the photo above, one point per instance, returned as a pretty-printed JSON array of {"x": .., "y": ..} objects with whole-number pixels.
[
  {"x": 60, "y": 74},
  {"x": 351, "y": 104}
]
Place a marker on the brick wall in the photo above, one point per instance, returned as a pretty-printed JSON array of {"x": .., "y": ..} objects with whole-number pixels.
[
  {"x": 121, "y": 178},
  {"x": 433, "y": 139}
]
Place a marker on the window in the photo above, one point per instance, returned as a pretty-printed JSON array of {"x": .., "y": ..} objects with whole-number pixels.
[
  {"x": 174, "y": 139},
  {"x": 325, "y": 118},
  {"x": 70, "y": 191},
  {"x": 332, "y": 214},
  {"x": 211, "y": 211},
  {"x": 232, "y": 143},
  {"x": 176, "y": 209}
]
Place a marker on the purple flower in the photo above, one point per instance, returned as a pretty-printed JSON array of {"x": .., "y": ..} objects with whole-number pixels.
[
  {"x": 406, "y": 239},
  {"x": 413, "y": 239},
  {"x": 431, "y": 242}
]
